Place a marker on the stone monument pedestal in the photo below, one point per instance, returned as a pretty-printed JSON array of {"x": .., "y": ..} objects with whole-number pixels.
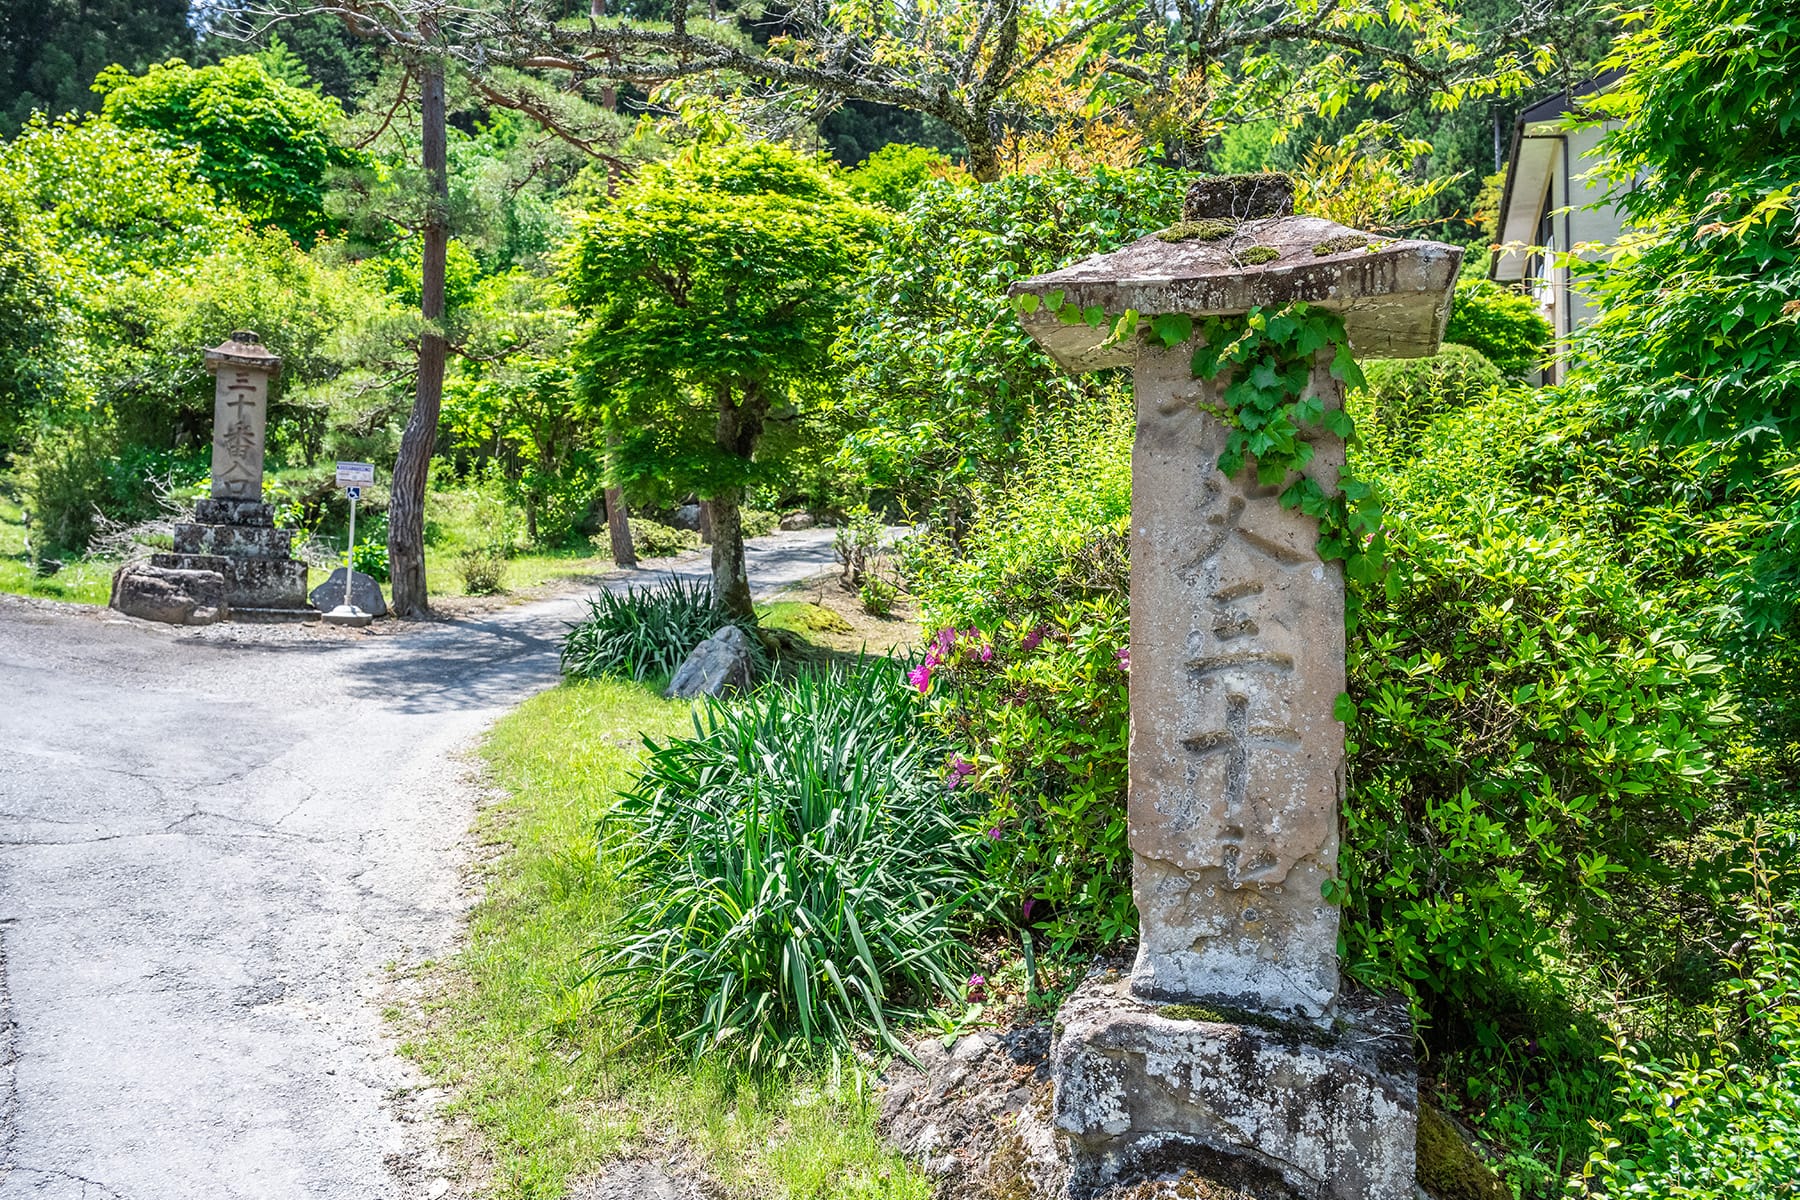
[
  {"x": 263, "y": 581},
  {"x": 1147, "y": 1090}
]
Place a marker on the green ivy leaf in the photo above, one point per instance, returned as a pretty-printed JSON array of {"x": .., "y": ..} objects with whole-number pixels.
[
  {"x": 1172, "y": 329},
  {"x": 1026, "y": 302}
]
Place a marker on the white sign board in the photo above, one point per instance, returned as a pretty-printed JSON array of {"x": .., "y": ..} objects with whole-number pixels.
[{"x": 352, "y": 473}]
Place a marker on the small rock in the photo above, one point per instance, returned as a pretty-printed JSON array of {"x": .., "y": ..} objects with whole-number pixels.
[
  {"x": 723, "y": 662},
  {"x": 365, "y": 594},
  {"x": 797, "y": 520},
  {"x": 175, "y": 597}
]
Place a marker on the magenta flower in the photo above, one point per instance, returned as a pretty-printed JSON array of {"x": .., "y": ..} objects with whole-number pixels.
[
  {"x": 1025, "y": 909},
  {"x": 920, "y": 677},
  {"x": 995, "y": 833},
  {"x": 1034, "y": 639},
  {"x": 960, "y": 769},
  {"x": 986, "y": 653},
  {"x": 946, "y": 638},
  {"x": 1125, "y": 659}
]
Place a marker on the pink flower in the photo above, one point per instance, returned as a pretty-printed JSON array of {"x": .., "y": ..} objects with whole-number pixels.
[
  {"x": 986, "y": 653},
  {"x": 1025, "y": 909},
  {"x": 960, "y": 769},
  {"x": 946, "y": 638},
  {"x": 996, "y": 833},
  {"x": 1125, "y": 659},
  {"x": 1034, "y": 638},
  {"x": 920, "y": 677}
]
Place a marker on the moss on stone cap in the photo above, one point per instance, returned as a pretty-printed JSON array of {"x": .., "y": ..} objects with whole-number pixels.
[
  {"x": 1258, "y": 254},
  {"x": 1209, "y": 230},
  {"x": 1341, "y": 245}
]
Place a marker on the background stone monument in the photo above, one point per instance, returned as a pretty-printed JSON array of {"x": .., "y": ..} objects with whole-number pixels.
[
  {"x": 233, "y": 535},
  {"x": 1230, "y": 1040}
]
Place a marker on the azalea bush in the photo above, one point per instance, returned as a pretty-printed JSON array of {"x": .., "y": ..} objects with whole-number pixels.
[{"x": 1026, "y": 673}]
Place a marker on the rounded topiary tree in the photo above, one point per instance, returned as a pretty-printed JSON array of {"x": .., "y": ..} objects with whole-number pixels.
[{"x": 714, "y": 284}]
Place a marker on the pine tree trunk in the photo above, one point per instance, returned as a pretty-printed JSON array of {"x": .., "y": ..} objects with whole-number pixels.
[
  {"x": 618, "y": 517},
  {"x": 412, "y": 469}
]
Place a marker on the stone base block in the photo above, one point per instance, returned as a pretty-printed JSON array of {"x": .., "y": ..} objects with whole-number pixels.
[
  {"x": 222, "y": 511},
  {"x": 275, "y": 616},
  {"x": 171, "y": 596},
  {"x": 235, "y": 541},
  {"x": 1144, "y": 1091},
  {"x": 249, "y": 582}
]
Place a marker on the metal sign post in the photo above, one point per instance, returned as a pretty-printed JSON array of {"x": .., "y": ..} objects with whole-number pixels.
[{"x": 352, "y": 477}]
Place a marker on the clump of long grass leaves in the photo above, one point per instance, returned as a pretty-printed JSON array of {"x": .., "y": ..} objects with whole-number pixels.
[
  {"x": 803, "y": 869},
  {"x": 644, "y": 632}
]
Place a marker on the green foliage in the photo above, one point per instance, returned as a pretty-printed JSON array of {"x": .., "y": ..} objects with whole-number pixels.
[
  {"x": 1531, "y": 739},
  {"x": 30, "y": 321},
  {"x": 1699, "y": 340},
  {"x": 893, "y": 175},
  {"x": 1505, "y": 326},
  {"x": 945, "y": 383},
  {"x": 50, "y": 49},
  {"x": 110, "y": 201},
  {"x": 758, "y": 522},
  {"x": 1269, "y": 359},
  {"x": 1722, "y": 1122},
  {"x": 1026, "y": 674},
  {"x": 801, "y": 866},
  {"x": 483, "y": 570},
  {"x": 877, "y": 596},
  {"x": 268, "y": 145},
  {"x": 644, "y": 632},
  {"x": 653, "y": 539},
  {"x": 370, "y": 555},
  {"x": 1404, "y": 395}
]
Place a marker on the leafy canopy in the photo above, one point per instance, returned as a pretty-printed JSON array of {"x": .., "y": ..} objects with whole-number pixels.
[{"x": 267, "y": 144}]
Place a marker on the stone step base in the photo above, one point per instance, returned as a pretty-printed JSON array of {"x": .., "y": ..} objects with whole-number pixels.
[
  {"x": 235, "y": 541},
  {"x": 218, "y": 511},
  {"x": 275, "y": 616},
  {"x": 278, "y": 583}
]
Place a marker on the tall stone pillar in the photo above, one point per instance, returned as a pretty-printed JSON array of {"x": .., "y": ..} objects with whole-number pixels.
[
  {"x": 241, "y": 370},
  {"x": 233, "y": 533},
  {"x": 1230, "y": 1036}
]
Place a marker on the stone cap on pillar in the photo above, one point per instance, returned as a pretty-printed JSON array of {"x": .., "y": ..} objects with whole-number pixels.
[
  {"x": 1241, "y": 247},
  {"x": 243, "y": 349}
]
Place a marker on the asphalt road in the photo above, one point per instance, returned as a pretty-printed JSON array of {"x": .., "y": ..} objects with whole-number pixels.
[{"x": 213, "y": 844}]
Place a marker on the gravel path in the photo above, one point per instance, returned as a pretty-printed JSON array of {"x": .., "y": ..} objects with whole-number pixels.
[{"x": 213, "y": 843}]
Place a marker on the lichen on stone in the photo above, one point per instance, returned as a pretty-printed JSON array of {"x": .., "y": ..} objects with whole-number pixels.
[
  {"x": 1448, "y": 1169},
  {"x": 1258, "y": 254},
  {"x": 1341, "y": 245},
  {"x": 1207, "y": 229}
]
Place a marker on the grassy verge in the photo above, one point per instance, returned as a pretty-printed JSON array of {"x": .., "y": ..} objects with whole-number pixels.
[
  {"x": 86, "y": 581},
  {"x": 553, "y": 1076},
  {"x": 523, "y": 571}
]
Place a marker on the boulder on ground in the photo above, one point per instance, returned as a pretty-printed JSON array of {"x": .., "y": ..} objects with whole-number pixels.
[
  {"x": 365, "y": 594},
  {"x": 797, "y": 520},
  {"x": 171, "y": 596},
  {"x": 722, "y": 663},
  {"x": 687, "y": 517}
]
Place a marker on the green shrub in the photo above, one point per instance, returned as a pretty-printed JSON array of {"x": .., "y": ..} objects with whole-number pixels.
[
  {"x": 1026, "y": 673},
  {"x": 801, "y": 864},
  {"x": 483, "y": 570},
  {"x": 1403, "y": 395},
  {"x": 1724, "y": 1122},
  {"x": 371, "y": 551},
  {"x": 653, "y": 539},
  {"x": 758, "y": 522},
  {"x": 645, "y": 631},
  {"x": 878, "y": 596},
  {"x": 1503, "y": 325}
]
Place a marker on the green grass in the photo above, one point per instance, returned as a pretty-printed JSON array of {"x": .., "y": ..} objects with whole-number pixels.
[
  {"x": 523, "y": 571},
  {"x": 86, "y": 581},
  {"x": 559, "y": 1081}
]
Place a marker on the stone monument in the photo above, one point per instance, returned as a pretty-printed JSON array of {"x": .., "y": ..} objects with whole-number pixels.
[
  {"x": 234, "y": 532},
  {"x": 1229, "y": 1039}
]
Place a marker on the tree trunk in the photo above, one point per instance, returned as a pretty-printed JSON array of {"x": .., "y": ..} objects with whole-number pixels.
[
  {"x": 705, "y": 522},
  {"x": 412, "y": 469},
  {"x": 731, "y": 578},
  {"x": 740, "y": 428},
  {"x": 618, "y": 517},
  {"x": 984, "y": 157}
]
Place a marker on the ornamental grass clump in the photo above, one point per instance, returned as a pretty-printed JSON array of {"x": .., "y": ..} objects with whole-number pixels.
[
  {"x": 802, "y": 868},
  {"x": 644, "y": 632}
]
